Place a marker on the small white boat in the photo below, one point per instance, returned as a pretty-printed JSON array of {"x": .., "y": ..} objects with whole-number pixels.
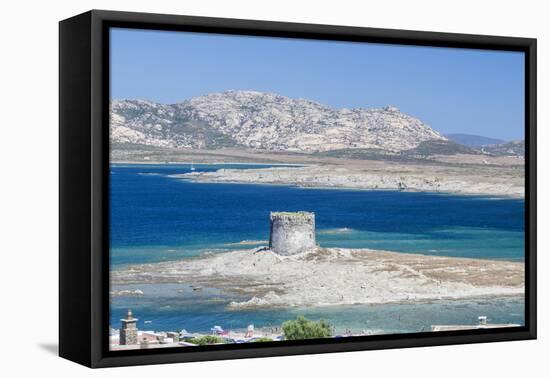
[{"x": 192, "y": 166}]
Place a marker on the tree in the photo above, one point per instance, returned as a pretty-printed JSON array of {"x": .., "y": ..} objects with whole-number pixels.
[
  {"x": 302, "y": 328},
  {"x": 263, "y": 340},
  {"x": 206, "y": 340}
]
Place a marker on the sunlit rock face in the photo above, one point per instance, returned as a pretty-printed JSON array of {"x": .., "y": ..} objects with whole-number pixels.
[{"x": 264, "y": 121}]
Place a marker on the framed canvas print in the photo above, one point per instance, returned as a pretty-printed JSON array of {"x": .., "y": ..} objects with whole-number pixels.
[{"x": 234, "y": 188}]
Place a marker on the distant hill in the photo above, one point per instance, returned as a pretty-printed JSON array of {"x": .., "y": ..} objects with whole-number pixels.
[
  {"x": 471, "y": 140},
  {"x": 424, "y": 150},
  {"x": 515, "y": 148},
  {"x": 439, "y": 147},
  {"x": 263, "y": 121}
]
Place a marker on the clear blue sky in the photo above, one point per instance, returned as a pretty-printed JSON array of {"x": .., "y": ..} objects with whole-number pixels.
[{"x": 452, "y": 90}]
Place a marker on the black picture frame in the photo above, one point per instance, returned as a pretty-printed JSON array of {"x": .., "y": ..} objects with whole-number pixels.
[{"x": 83, "y": 180}]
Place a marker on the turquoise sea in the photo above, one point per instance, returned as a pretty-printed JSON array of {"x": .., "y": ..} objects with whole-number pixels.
[{"x": 155, "y": 217}]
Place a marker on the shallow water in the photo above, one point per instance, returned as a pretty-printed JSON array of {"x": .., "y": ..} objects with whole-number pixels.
[{"x": 175, "y": 307}]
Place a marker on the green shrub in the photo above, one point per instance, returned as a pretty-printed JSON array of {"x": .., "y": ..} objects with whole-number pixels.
[
  {"x": 302, "y": 328},
  {"x": 206, "y": 340},
  {"x": 263, "y": 340}
]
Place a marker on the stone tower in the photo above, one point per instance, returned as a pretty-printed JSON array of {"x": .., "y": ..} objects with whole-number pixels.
[
  {"x": 292, "y": 233},
  {"x": 128, "y": 330}
]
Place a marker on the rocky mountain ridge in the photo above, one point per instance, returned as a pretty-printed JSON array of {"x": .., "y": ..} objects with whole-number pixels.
[{"x": 264, "y": 121}]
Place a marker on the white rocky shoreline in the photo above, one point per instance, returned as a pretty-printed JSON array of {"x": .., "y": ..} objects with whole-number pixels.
[
  {"x": 334, "y": 276},
  {"x": 424, "y": 179}
]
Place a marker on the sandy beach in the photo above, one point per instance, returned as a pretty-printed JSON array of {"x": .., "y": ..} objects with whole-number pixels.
[{"x": 335, "y": 276}]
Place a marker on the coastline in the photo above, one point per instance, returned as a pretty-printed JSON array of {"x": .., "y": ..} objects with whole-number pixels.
[
  {"x": 338, "y": 177},
  {"x": 334, "y": 276},
  {"x": 132, "y": 162},
  {"x": 346, "y": 321}
]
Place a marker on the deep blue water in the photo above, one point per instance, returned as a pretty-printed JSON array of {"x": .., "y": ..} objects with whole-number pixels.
[{"x": 155, "y": 217}]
